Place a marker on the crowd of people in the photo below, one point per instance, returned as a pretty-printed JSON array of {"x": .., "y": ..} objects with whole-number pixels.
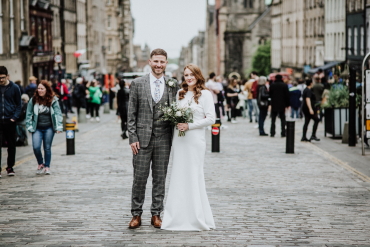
[{"x": 277, "y": 97}]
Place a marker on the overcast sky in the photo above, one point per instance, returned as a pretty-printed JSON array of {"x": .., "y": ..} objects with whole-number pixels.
[{"x": 168, "y": 24}]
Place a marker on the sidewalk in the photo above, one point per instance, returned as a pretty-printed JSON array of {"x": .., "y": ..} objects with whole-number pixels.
[{"x": 259, "y": 195}]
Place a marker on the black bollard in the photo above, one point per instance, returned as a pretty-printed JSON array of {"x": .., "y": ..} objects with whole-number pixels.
[
  {"x": 216, "y": 137},
  {"x": 70, "y": 136},
  {"x": 290, "y": 137}
]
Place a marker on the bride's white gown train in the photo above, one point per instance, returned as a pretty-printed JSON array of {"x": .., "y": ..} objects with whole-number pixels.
[{"x": 187, "y": 207}]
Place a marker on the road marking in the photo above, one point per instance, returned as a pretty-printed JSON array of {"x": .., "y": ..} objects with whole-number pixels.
[{"x": 339, "y": 162}]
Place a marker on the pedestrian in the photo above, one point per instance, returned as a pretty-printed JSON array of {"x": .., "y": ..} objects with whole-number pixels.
[
  {"x": 295, "y": 100},
  {"x": 43, "y": 120},
  {"x": 279, "y": 94},
  {"x": 220, "y": 95},
  {"x": 63, "y": 89},
  {"x": 79, "y": 95},
  {"x": 318, "y": 89},
  {"x": 21, "y": 130},
  {"x": 232, "y": 93},
  {"x": 95, "y": 100},
  {"x": 214, "y": 89},
  {"x": 10, "y": 110},
  {"x": 251, "y": 87},
  {"x": 31, "y": 88},
  {"x": 122, "y": 107},
  {"x": 308, "y": 107},
  {"x": 263, "y": 103},
  {"x": 19, "y": 84}
]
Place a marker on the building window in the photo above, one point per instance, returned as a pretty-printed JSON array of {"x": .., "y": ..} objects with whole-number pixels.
[
  {"x": 362, "y": 40},
  {"x": 1, "y": 28},
  {"x": 11, "y": 14},
  {"x": 22, "y": 15},
  {"x": 109, "y": 21},
  {"x": 109, "y": 45},
  {"x": 349, "y": 41},
  {"x": 355, "y": 40}
]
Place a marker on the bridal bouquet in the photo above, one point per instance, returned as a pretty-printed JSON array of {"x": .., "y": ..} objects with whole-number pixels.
[{"x": 176, "y": 114}]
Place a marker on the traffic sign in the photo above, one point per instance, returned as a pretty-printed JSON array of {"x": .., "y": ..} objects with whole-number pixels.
[
  {"x": 70, "y": 134},
  {"x": 58, "y": 58},
  {"x": 215, "y": 131}
]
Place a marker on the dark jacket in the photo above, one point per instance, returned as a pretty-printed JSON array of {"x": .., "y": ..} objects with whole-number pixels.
[
  {"x": 318, "y": 89},
  {"x": 121, "y": 102},
  {"x": 262, "y": 96},
  {"x": 30, "y": 89},
  {"x": 10, "y": 102},
  {"x": 279, "y": 94},
  {"x": 295, "y": 96}
]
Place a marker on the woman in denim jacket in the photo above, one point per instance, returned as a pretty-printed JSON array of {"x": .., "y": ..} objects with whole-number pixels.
[{"x": 43, "y": 119}]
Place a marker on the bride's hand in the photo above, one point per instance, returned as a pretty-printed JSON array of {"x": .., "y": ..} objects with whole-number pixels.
[{"x": 182, "y": 126}]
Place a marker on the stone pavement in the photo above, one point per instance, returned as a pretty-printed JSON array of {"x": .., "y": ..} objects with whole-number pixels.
[{"x": 260, "y": 196}]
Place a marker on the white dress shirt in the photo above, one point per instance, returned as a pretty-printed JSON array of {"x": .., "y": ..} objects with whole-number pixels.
[{"x": 152, "y": 79}]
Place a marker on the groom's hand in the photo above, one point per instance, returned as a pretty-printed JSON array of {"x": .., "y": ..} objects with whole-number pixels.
[{"x": 135, "y": 147}]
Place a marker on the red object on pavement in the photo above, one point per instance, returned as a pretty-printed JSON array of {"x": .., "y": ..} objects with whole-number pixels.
[{"x": 215, "y": 131}]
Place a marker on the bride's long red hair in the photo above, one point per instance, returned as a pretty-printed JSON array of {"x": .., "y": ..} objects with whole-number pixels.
[{"x": 199, "y": 86}]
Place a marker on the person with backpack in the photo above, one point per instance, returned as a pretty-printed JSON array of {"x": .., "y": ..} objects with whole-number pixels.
[
  {"x": 10, "y": 109},
  {"x": 43, "y": 119},
  {"x": 79, "y": 95}
]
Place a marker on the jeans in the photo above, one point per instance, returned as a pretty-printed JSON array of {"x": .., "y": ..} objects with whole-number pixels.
[
  {"x": 46, "y": 136},
  {"x": 294, "y": 112},
  {"x": 252, "y": 107},
  {"x": 307, "y": 118},
  {"x": 217, "y": 109},
  {"x": 273, "y": 120},
  {"x": 255, "y": 108},
  {"x": 8, "y": 133},
  {"x": 261, "y": 119}
]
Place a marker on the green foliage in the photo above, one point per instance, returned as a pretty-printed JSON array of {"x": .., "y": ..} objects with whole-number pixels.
[
  {"x": 338, "y": 97},
  {"x": 262, "y": 59}
]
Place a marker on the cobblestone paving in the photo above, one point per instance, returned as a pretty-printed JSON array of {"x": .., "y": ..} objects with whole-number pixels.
[{"x": 260, "y": 196}]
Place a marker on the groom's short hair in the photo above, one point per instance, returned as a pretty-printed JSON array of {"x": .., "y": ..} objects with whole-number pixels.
[{"x": 158, "y": 51}]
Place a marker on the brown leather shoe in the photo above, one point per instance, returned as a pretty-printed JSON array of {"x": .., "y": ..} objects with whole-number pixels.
[
  {"x": 135, "y": 222},
  {"x": 156, "y": 221}
]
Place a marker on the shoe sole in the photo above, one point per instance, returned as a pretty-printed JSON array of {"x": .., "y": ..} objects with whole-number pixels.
[{"x": 11, "y": 175}]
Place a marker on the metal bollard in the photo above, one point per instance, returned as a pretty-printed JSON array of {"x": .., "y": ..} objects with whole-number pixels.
[
  {"x": 70, "y": 136},
  {"x": 290, "y": 125},
  {"x": 216, "y": 137},
  {"x": 106, "y": 108}
]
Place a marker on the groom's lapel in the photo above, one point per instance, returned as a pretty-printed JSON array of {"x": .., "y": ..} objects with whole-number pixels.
[{"x": 148, "y": 91}]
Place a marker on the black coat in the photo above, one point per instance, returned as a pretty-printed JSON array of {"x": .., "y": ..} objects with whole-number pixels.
[
  {"x": 121, "y": 103},
  {"x": 10, "y": 102},
  {"x": 279, "y": 94}
]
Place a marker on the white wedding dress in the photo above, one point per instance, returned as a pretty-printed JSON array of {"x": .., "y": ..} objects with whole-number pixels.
[{"x": 187, "y": 207}]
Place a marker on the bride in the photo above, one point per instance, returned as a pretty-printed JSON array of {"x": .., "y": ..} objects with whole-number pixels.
[{"x": 187, "y": 207}]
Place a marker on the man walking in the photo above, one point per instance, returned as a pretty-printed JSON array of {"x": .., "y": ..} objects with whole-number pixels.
[
  {"x": 150, "y": 139},
  {"x": 10, "y": 109},
  {"x": 279, "y": 94},
  {"x": 251, "y": 87},
  {"x": 214, "y": 89}
]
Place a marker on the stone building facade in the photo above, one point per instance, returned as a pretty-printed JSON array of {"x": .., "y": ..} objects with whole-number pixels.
[
  {"x": 16, "y": 46},
  {"x": 234, "y": 30},
  {"x": 335, "y": 30},
  {"x": 69, "y": 34}
]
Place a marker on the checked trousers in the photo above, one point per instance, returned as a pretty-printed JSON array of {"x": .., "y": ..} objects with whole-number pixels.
[{"x": 155, "y": 156}]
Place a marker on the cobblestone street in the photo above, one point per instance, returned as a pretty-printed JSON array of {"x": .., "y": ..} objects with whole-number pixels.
[{"x": 260, "y": 196}]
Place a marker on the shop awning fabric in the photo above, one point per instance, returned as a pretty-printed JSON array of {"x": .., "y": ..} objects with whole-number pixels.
[{"x": 325, "y": 67}]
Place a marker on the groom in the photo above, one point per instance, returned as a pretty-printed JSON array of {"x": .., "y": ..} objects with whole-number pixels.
[{"x": 150, "y": 138}]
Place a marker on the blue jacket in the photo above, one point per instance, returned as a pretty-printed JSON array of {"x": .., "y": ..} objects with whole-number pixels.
[
  {"x": 294, "y": 96},
  {"x": 10, "y": 102}
]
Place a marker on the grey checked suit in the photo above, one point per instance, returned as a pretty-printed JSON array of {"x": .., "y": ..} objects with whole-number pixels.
[{"x": 154, "y": 138}]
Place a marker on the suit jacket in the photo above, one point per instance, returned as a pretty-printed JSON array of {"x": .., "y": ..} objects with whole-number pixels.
[
  {"x": 140, "y": 109},
  {"x": 279, "y": 94}
]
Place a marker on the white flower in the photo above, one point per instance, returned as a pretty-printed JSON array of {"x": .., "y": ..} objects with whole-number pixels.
[
  {"x": 170, "y": 83},
  {"x": 178, "y": 114},
  {"x": 169, "y": 110}
]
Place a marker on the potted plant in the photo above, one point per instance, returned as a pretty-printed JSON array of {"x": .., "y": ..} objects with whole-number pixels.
[{"x": 336, "y": 110}]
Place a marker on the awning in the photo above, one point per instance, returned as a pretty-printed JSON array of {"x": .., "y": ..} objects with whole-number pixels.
[{"x": 325, "y": 67}]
